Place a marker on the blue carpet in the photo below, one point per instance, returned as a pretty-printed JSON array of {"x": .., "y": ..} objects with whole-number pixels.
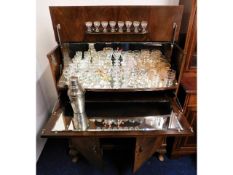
[{"x": 54, "y": 160}]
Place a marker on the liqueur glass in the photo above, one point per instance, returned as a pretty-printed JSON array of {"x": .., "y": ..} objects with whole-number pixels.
[
  {"x": 136, "y": 26},
  {"x": 144, "y": 25},
  {"x": 112, "y": 25},
  {"x": 88, "y": 25},
  {"x": 96, "y": 24},
  {"x": 104, "y": 25},
  {"x": 171, "y": 76},
  {"x": 120, "y": 26},
  {"x": 128, "y": 25}
]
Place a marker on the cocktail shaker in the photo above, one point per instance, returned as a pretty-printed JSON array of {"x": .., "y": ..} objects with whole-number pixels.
[{"x": 77, "y": 99}]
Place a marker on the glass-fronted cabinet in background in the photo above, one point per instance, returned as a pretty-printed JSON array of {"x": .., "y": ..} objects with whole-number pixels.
[{"x": 187, "y": 93}]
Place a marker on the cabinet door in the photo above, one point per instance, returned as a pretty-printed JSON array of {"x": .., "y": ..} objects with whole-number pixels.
[
  {"x": 187, "y": 145},
  {"x": 192, "y": 48},
  {"x": 191, "y": 114},
  {"x": 90, "y": 149},
  {"x": 144, "y": 149}
]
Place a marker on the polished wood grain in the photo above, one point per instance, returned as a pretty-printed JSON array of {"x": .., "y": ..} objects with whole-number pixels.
[
  {"x": 90, "y": 149},
  {"x": 55, "y": 62},
  {"x": 187, "y": 145},
  {"x": 160, "y": 28},
  {"x": 189, "y": 82},
  {"x": 145, "y": 148},
  {"x": 72, "y": 20},
  {"x": 190, "y": 30}
]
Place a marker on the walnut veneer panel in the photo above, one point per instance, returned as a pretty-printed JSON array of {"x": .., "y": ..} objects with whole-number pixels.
[{"x": 72, "y": 20}]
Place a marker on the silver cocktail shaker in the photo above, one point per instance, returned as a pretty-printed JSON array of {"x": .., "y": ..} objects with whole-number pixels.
[{"x": 77, "y": 99}]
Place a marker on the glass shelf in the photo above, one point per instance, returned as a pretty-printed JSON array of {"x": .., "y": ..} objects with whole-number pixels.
[{"x": 116, "y": 33}]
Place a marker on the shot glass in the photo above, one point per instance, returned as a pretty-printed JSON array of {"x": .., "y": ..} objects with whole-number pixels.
[{"x": 171, "y": 76}]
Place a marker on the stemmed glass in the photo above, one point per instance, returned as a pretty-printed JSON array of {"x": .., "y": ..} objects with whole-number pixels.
[
  {"x": 144, "y": 25},
  {"x": 136, "y": 26},
  {"x": 112, "y": 25},
  {"x": 171, "y": 76},
  {"x": 88, "y": 25},
  {"x": 104, "y": 25},
  {"x": 128, "y": 25},
  {"x": 96, "y": 24},
  {"x": 120, "y": 26}
]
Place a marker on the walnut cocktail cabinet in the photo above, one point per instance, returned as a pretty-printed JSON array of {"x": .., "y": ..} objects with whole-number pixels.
[{"x": 117, "y": 72}]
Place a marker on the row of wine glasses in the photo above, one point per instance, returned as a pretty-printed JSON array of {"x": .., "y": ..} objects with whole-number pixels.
[{"x": 102, "y": 26}]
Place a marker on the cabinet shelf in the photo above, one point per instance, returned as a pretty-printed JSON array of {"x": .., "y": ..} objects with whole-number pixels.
[{"x": 116, "y": 33}]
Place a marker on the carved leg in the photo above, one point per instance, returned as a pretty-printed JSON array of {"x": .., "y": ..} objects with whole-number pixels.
[
  {"x": 73, "y": 153},
  {"x": 144, "y": 149},
  {"x": 162, "y": 150},
  {"x": 161, "y": 157}
]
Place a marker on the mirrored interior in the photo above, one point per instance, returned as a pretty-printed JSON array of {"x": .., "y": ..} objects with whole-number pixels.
[
  {"x": 146, "y": 123},
  {"x": 122, "y": 116}
]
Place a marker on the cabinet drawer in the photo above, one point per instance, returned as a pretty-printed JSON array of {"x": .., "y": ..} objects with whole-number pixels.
[{"x": 65, "y": 122}]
